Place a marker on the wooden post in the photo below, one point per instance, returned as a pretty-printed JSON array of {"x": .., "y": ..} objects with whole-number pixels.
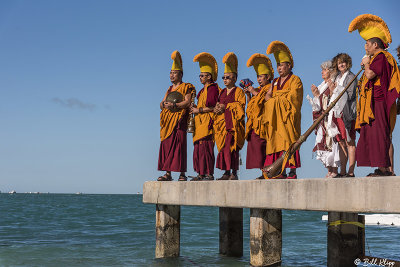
[
  {"x": 345, "y": 241},
  {"x": 265, "y": 237},
  {"x": 167, "y": 231},
  {"x": 231, "y": 231}
]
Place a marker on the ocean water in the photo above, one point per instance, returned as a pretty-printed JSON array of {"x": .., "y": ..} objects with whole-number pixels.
[{"x": 119, "y": 230}]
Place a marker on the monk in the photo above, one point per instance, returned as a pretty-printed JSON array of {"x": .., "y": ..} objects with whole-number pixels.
[
  {"x": 379, "y": 88},
  {"x": 173, "y": 121},
  {"x": 255, "y": 131},
  {"x": 207, "y": 98},
  {"x": 229, "y": 127},
  {"x": 282, "y": 114}
]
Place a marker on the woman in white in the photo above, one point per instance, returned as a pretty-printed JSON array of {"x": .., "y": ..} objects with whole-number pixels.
[
  {"x": 341, "y": 65},
  {"x": 327, "y": 142}
]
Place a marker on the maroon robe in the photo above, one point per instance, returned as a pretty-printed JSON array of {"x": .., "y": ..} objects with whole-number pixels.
[
  {"x": 373, "y": 145},
  {"x": 203, "y": 153},
  {"x": 227, "y": 159},
  {"x": 256, "y": 147},
  {"x": 173, "y": 150}
]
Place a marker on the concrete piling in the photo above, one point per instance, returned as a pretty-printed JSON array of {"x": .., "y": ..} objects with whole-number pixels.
[
  {"x": 265, "y": 237},
  {"x": 345, "y": 238},
  {"x": 167, "y": 231},
  {"x": 231, "y": 231}
]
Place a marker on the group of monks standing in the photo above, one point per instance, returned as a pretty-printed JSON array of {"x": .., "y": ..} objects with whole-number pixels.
[{"x": 274, "y": 112}]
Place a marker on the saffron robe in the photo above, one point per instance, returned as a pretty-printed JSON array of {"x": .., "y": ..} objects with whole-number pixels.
[
  {"x": 255, "y": 130},
  {"x": 282, "y": 119},
  {"x": 173, "y": 148},
  {"x": 229, "y": 129},
  {"x": 203, "y": 153},
  {"x": 376, "y": 111}
]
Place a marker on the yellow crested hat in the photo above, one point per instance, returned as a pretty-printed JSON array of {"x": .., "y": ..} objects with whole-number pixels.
[
  {"x": 370, "y": 26},
  {"x": 281, "y": 52},
  {"x": 176, "y": 61},
  {"x": 231, "y": 63},
  {"x": 262, "y": 64},
  {"x": 207, "y": 64}
]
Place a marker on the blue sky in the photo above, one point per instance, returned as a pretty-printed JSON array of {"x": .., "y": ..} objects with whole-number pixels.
[{"x": 81, "y": 81}]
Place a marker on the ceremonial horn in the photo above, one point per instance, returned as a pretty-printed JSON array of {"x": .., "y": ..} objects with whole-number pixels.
[{"x": 276, "y": 168}]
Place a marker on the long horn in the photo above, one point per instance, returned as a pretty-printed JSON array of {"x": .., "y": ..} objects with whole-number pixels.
[{"x": 276, "y": 168}]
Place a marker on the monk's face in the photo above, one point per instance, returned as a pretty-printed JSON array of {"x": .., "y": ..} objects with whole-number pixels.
[
  {"x": 284, "y": 68},
  {"x": 325, "y": 74},
  {"x": 175, "y": 76},
  {"x": 205, "y": 77},
  {"x": 229, "y": 79},
  {"x": 262, "y": 79},
  {"x": 370, "y": 48}
]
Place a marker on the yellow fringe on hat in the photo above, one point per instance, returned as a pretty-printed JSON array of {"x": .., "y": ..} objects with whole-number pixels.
[
  {"x": 231, "y": 62},
  {"x": 281, "y": 52},
  {"x": 262, "y": 64},
  {"x": 207, "y": 64},
  {"x": 176, "y": 61},
  {"x": 370, "y": 26}
]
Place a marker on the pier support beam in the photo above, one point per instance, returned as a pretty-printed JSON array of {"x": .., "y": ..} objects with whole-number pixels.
[
  {"x": 345, "y": 241},
  {"x": 167, "y": 230},
  {"x": 231, "y": 231},
  {"x": 265, "y": 237}
]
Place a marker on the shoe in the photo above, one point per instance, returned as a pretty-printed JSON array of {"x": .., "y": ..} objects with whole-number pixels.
[
  {"x": 282, "y": 176},
  {"x": 292, "y": 176},
  {"x": 350, "y": 175},
  {"x": 165, "y": 177},
  {"x": 224, "y": 177},
  {"x": 196, "y": 178},
  {"x": 260, "y": 178},
  {"x": 182, "y": 178},
  {"x": 233, "y": 177},
  {"x": 379, "y": 173},
  {"x": 208, "y": 177}
]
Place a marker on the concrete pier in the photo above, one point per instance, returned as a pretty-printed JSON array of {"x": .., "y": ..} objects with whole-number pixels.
[
  {"x": 345, "y": 238},
  {"x": 265, "y": 237},
  {"x": 167, "y": 231},
  {"x": 231, "y": 232},
  {"x": 343, "y": 198}
]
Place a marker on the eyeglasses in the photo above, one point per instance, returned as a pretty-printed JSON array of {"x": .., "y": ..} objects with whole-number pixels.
[{"x": 226, "y": 78}]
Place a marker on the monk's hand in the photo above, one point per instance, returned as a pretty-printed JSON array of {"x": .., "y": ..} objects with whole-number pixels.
[
  {"x": 314, "y": 90},
  {"x": 250, "y": 89},
  {"x": 365, "y": 60},
  {"x": 194, "y": 110},
  {"x": 168, "y": 105}
]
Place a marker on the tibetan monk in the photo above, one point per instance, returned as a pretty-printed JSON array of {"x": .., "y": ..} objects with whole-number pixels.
[
  {"x": 229, "y": 127},
  {"x": 173, "y": 121},
  {"x": 207, "y": 98},
  {"x": 379, "y": 88},
  {"x": 282, "y": 114},
  {"x": 255, "y": 130}
]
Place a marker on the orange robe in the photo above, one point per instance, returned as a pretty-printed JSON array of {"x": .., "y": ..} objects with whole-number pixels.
[
  {"x": 203, "y": 152},
  {"x": 282, "y": 118},
  {"x": 173, "y": 148},
  {"x": 229, "y": 129},
  {"x": 255, "y": 130}
]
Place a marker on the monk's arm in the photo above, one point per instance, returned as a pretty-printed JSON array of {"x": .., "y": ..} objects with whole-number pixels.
[
  {"x": 186, "y": 102},
  {"x": 162, "y": 104},
  {"x": 368, "y": 72}
]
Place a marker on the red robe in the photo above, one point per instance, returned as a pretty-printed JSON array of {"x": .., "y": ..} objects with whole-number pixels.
[
  {"x": 203, "y": 153},
  {"x": 373, "y": 145}
]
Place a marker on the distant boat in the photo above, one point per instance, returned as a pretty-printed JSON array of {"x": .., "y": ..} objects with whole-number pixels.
[
  {"x": 78, "y": 193},
  {"x": 12, "y": 192},
  {"x": 378, "y": 219}
]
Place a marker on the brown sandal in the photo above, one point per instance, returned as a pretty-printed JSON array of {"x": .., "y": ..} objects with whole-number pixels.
[
  {"x": 165, "y": 177},
  {"x": 182, "y": 178}
]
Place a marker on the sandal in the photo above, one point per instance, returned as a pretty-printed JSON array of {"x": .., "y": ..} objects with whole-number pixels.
[
  {"x": 209, "y": 177},
  {"x": 165, "y": 177},
  {"x": 224, "y": 177},
  {"x": 378, "y": 173},
  {"x": 182, "y": 178},
  {"x": 197, "y": 178}
]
